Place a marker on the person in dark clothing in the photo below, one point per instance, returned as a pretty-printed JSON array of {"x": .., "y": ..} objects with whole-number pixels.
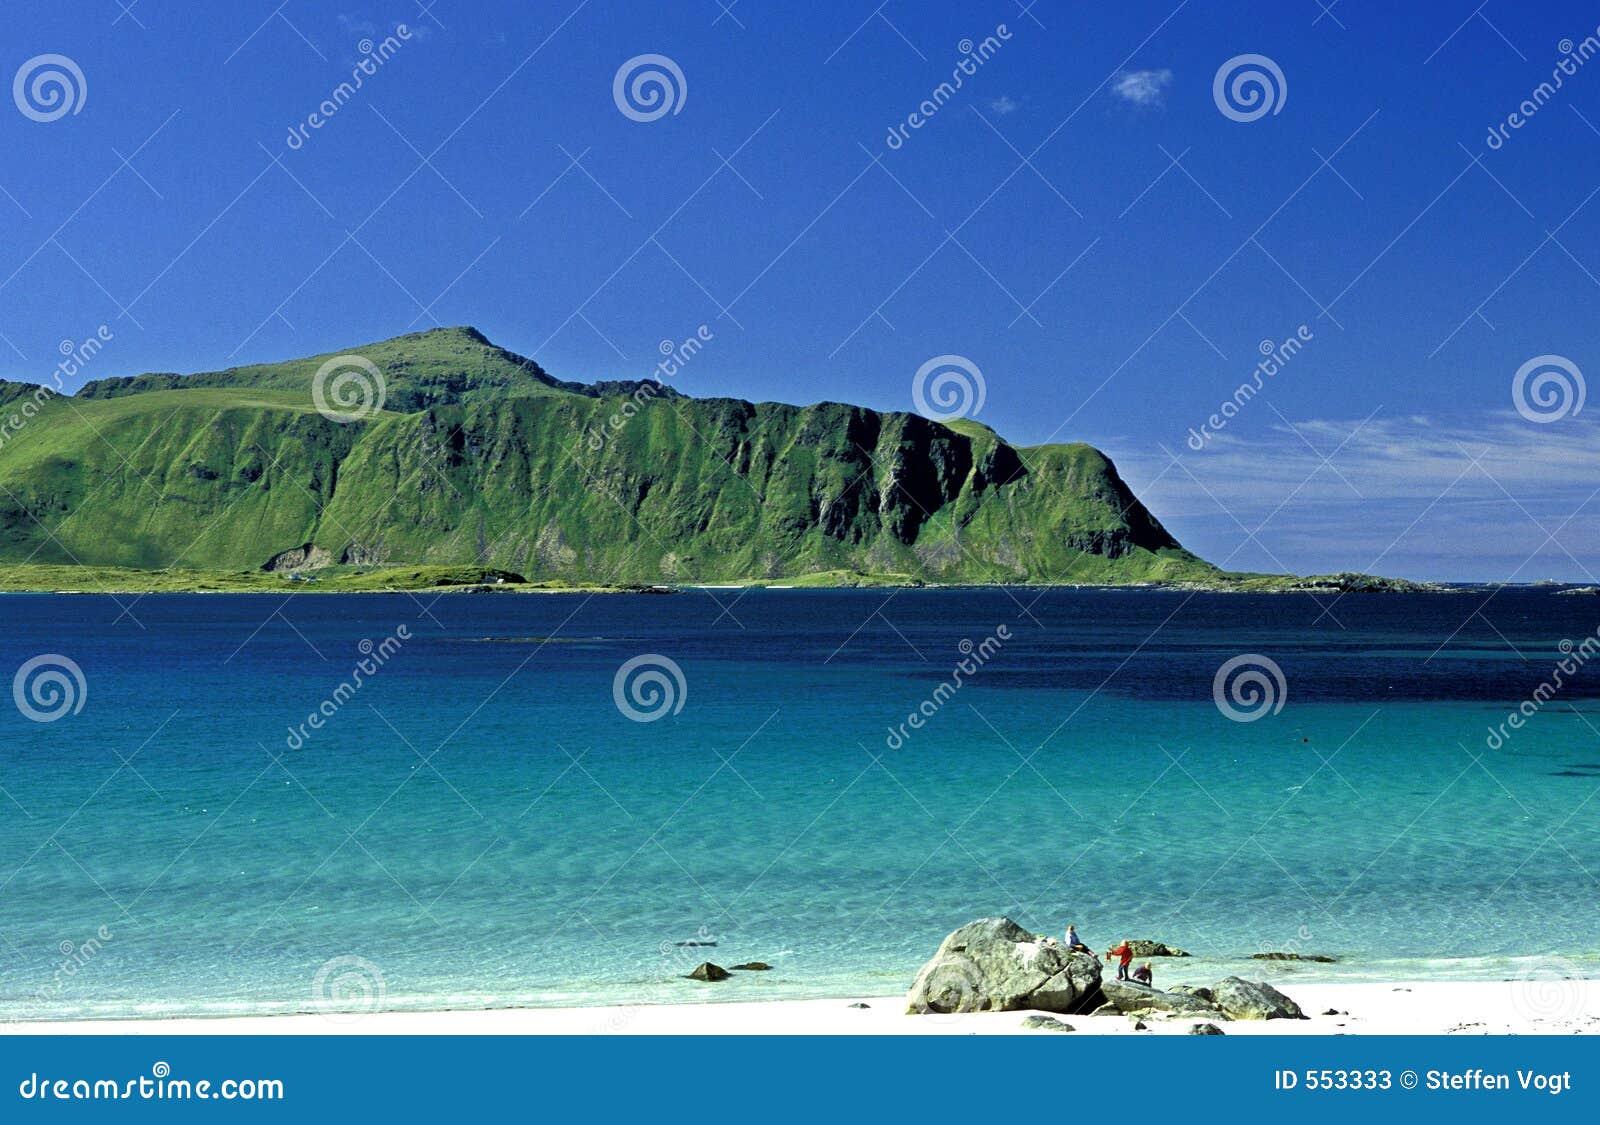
[{"x": 1144, "y": 975}]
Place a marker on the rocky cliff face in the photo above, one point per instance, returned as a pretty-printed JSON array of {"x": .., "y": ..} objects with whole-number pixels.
[{"x": 480, "y": 457}]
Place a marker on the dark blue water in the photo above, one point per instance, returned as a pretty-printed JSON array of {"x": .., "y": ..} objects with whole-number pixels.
[{"x": 480, "y": 823}]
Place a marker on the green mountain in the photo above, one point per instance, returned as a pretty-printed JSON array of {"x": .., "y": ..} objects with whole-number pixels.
[{"x": 479, "y": 457}]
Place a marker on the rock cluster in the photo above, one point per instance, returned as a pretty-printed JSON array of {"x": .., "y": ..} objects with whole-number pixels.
[{"x": 994, "y": 965}]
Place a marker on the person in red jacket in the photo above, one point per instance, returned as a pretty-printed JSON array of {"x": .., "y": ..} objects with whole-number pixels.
[{"x": 1124, "y": 955}]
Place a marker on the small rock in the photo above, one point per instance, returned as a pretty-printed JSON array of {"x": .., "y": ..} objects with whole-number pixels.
[
  {"x": 1206, "y": 1029},
  {"x": 694, "y": 944},
  {"x": 1107, "y": 1010},
  {"x": 1046, "y": 1023},
  {"x": 709, "y": 972},
  {"x": 1331, "y": 1012},
  {"x": 752, "y": 967},
  {"x": 1145, "y": 948},
  {"x": 1140, "y": 1025},
  {"x": 858, "y": 1004}
]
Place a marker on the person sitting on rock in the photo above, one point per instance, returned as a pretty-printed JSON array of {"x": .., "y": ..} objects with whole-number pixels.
[
  {"x": 1075, "y": 943},
  {"x": 1124, "y": 955},
  {"x": 1145, "y": 975}
]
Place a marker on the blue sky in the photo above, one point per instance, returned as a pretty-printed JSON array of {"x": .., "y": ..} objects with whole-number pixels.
[{"x": 1080, "y": 221}]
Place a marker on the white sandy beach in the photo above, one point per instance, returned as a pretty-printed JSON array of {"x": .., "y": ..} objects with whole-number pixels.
[{"x": 1418, "y": 1008}]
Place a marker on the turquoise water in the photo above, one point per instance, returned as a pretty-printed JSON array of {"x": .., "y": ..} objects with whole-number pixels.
[{"x": 481, "y": 825}]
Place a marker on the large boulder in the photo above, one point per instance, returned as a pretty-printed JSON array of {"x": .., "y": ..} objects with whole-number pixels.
[
  {"x": 1131, "y": 999},
  {"x": 995, "y": 965},
  {"x": 1253, "y": 1000}
]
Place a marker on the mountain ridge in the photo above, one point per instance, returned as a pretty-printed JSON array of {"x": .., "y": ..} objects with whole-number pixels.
[{"x": 481, "y": 457}]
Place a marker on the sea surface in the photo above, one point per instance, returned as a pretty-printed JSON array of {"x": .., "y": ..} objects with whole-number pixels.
[{"x": 478, "y": 822}]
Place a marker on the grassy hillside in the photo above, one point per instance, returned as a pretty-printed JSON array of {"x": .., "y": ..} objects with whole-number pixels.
[{"x": 481, "y": 459}]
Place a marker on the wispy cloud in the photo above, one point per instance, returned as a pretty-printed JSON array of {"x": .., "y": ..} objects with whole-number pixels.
[
  {"x": 1004, "y": 104},
  {"x": 1142, "y": 87},
  {"x": 1498, "y": 499}
]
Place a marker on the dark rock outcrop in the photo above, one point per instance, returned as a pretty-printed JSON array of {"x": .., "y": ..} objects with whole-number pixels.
[
  {"x": 1318, "y": 957},
  {"x": 1131, "y": 999},
  {"x": 1206, "y": 1029},
  {"x": 706, "y": 971},
  {"x": 1145, "y": 948},
  {"x": 752, "y": 967}
]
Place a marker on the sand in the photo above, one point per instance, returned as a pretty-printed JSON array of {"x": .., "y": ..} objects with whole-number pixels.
[{"x": 1425, "y": 1008}]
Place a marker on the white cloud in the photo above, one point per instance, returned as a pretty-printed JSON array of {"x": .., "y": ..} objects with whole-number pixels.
[
  {"x": 1004, "y": 104},
  {"x": 1501, "y": 499},
  {"x": 1142, "y": 87}
]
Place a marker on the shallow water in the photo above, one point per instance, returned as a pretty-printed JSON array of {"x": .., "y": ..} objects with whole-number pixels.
[{"x": 480, "y": 824}]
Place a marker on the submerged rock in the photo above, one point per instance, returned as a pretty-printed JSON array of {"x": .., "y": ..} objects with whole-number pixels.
[
  {"x": 1318, "y": 957},
  {"x": 994, "y": 965},
  {"x": 706, "y": 971},
  {"x": 752, "y": 967},
  {"x": 1254, "y": 1000}
]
